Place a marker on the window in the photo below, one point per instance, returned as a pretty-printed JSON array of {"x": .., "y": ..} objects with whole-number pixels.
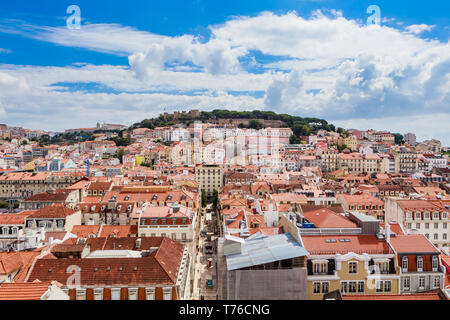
[
  {"x": 417, "y": 225},
  {"x": 115, "y": 293},
  {"x": 418, "y": 215},
  {"x": 436, "y": 236},
  {"x": 325, "y": 286},
  {"x": 406, "y": 282},
  {"x": 167, "y": 293},
  {"x": 444, "y": 236},
  {"x": 437, "y": 282},
  {"x": 344, "y": 287},
  {"x": 132, "y": 293},
  {"x": 436, "y": 215},
  {"x": 352, "y": 267},
  {"x": 427, "y": 235},
  {"x": 444, "y": 225},
  {"x": 352, "y": 286},
  {"x": 379, "y": 286},
  {"x": 419, "y": 264},
  {"x": 316, "y": 287},
  {"x": 434, "y": 263},
  {"x": 408, "y": 225},
  {"x": 421, "y": 283},
  {"x": 444, "y": 215},
  {"x": 150, "y": 293},
  {"x": 98, "y": 294},
  {"x": 81, "y": 294},
  {"x": 427, "y": 226},
  {"x": 405, "y": 264},
  {"x": 427, "y": 215},
  {"x": 387, "y": 286},
  {"x": 361, "y": 286},
  {"x": 409, "y": 215},
  {"x": 436, "y": 226}
]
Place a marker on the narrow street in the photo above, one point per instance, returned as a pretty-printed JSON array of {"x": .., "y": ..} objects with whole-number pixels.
[{"x": 205, "y": 270}]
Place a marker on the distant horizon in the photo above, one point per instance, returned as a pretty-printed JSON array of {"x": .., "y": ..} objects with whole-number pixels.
[{"x": 187, "y": 110}]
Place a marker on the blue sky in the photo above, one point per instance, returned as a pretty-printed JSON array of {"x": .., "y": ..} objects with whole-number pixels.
[{"x": 133, "y": 59}]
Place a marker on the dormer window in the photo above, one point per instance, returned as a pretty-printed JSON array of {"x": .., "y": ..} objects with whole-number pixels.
[
  {"x": 418, "y": 215},
  {"x": 419, "y": 264},
  {"x": 127, "y": 198},
  {"x": 434, "y": 263},
  {"x": 405, "y": 264}
]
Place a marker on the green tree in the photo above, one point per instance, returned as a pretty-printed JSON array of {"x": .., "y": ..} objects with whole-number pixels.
[
  {"x": 203, "y": 199},
  {"x": 293, "y": 139},
  {"x": 119, "y": 154},
  {"x": 215, "y": 199},
  {"x": 255, "y": 124},
  {"x": 398, "y": 138}
]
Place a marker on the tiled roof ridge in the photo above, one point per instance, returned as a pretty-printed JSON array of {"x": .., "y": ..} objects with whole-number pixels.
[{"x": 158, "y": 259}]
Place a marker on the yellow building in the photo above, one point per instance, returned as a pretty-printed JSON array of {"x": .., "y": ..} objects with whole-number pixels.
[
  {"x": 210, "y": 177},
  {"x": 353, "y": 264},
  {"x": 351, "y": 142}
]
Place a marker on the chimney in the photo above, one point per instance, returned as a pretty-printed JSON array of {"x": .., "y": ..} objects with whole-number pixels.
[
  {"x": 138, "y": 242},
  {"x": 387, "y": 231}
]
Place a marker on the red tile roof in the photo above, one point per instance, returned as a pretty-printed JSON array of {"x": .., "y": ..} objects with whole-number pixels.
[
  {"x": 412, "y": 243},
  {"x": 23, "y": 291},
  {"x": 118, "y": 231},
  {"x": 85, "y": 231},
  {"x": 359, "y": 244},
  {"x": 54, "y": 211},
  {"x": 158, "y": 268},
  {"x": 326, "y": 218}
]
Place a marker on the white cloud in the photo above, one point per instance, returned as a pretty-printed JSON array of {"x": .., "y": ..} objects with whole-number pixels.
[
  {"x": 324, "y": 65},
  {"x": 5, "y": 50},
  {"x": 419, "y": 28}
]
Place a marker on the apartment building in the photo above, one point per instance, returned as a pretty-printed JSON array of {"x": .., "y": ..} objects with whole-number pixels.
[
  {"x": 143, "y": 268},
  {"x": 353, "y": 264},
  {"x": 426, "y": 217},
  {"x": 175, "y": 221},
  {"x": 363, "y": 203},
  {"x": 405, "y": 160},
  {"x": 329, "y": 159},
  {"x": 357, "y": 163},
  {"x": 21, "y": 185},
  {"x": 210, "y": 177},
  {"x": 419, "y": 262}
]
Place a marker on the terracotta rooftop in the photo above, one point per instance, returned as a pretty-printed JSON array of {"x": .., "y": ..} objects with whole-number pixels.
[
  {"x": 23, "y": 291},
  {"x": 412, "y": 243},
  {"x": 332, "y": 244},
  {"x": 54, "y": 211},
  {"x": 158, "y": 268},
  {"x": 326, "y": 218}
]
